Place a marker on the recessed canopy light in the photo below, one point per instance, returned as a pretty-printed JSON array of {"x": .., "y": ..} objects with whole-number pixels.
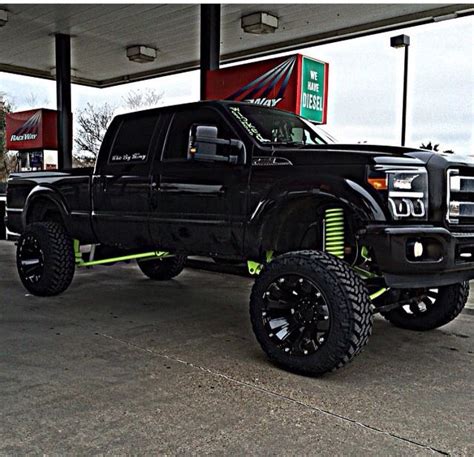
[
  {"x": 259, "y": 23},
  {"x": 3, "y": 17},
  {"x": 141, "y": 54}
]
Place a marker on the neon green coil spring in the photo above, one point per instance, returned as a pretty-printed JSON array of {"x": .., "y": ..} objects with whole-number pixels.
[{"x": 334, "y": 232}]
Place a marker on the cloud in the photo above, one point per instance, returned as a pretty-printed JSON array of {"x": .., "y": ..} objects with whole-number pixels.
[{"x": 366, "y": 76}]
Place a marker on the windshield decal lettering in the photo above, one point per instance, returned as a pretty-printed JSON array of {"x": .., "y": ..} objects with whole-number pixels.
[{"x": 247, "y": 124}]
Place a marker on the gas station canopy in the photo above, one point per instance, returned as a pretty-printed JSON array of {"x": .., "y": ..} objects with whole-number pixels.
[{"x": 101, "y": 34}]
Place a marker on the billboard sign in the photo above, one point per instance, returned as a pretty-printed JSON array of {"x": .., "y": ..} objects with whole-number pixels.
[
  {"x": 293, "y": 83},
  {"x": 31, "y": 130},
  {"x": 313, "y": 90}
]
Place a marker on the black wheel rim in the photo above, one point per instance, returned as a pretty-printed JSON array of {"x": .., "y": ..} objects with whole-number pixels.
[
  {"x": 422, "y": 304},
  {"x": 295, "y": 315},
  {"x": 30, "y": 259}
]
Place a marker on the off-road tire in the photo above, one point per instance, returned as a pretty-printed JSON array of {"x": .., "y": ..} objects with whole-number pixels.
[
  {"x": 347, "y": 301},
  {"x": 162, "y": 269},
  {"x": 448, "y": 304},
  {"x": 56, "y": 258}
]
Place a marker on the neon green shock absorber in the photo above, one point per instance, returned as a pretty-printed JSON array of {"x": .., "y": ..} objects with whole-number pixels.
[{"x": 334, "y": 232}]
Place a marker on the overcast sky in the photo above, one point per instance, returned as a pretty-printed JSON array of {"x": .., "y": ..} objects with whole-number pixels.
[{"x": 365, "y": 87}]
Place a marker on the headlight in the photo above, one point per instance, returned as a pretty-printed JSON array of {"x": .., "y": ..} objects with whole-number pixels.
[
  {"x": 403, "y": 181},
  {"x": 406, "y": 189}
]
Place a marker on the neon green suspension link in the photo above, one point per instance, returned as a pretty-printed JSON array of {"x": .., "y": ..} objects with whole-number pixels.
[
  {"x": 334, "y": 232},
  {"x": 143, "y": 255}
]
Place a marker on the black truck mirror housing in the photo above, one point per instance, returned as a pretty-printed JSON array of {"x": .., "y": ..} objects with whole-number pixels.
[{"x": 203, "y": 142}]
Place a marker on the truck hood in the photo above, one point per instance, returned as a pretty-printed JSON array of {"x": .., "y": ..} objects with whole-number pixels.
[{"x": 365, "y": 153}]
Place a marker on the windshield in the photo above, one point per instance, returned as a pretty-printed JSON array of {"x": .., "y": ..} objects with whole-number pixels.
[{"x": 272, "y": 127}]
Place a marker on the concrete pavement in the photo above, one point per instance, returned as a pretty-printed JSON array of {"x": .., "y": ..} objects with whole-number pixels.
[{"x": 121, "y": 364}]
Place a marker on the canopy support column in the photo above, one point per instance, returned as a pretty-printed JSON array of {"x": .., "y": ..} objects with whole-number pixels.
[
  {"x": 210, "y": 41},
  {"x": 63, "y": 99}
]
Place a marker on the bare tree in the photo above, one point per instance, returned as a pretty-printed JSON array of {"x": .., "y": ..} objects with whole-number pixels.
[
  {"x": 92, "y": 123},
  {"x": 33, "y": 99},
  {"x": 142, "y": 98},
  {"x": 435, "y": 148},
  {"x": 430, "y": 146},
  {"x": 7, "y": 161}
]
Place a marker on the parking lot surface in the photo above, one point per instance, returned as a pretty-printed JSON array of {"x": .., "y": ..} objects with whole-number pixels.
[{"x": 123, "y": 364}]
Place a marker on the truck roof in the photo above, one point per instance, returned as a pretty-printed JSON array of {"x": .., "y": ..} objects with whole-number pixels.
[
  {"x": 191, "y": 106},
  {"x": 183, "y": 105}
]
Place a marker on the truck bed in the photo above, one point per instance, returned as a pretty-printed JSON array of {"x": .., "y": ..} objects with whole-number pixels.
[{"x": 70, "y": 188}]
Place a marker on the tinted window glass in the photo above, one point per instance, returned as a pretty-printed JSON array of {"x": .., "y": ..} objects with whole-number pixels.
[
  {"x": 132, "y": 143},
  {"x": 177, "y": 142},
  {"x": 269, "y": 126}
]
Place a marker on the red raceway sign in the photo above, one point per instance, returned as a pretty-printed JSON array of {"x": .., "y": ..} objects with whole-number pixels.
[
  {"x": 293, "y": 83},
  {"x": 29, "y": 130}
]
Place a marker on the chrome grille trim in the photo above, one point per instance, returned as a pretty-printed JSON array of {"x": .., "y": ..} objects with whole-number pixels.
[
  {"x": 460, "y": 184},
  {"x": 463, "y": 235},
  {"x": 464, "y": 209},
  {"x": 456, "y": 208},
  {"x": 449, "y": 174}
]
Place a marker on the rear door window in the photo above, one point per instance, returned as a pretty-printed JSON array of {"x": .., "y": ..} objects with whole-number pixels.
[
  {"x": 129, "y": 144},
  {"x": 133, "y": 140}
]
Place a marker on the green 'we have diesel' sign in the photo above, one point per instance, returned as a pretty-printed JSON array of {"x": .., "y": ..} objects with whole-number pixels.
[{"x": 313, "y": 90}]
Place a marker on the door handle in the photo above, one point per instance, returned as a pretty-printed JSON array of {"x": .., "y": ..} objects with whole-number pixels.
[
  {"x": 155, "y": 188},
  {"x": 153, "y": 194},
  {"x": 185, "y": 188}
]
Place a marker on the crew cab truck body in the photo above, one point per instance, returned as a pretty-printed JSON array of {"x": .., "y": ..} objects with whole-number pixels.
[{"x": 331, "y": 231}]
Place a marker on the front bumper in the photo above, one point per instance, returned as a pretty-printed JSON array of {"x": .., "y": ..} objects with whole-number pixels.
[{"x": 447, "y": 258}]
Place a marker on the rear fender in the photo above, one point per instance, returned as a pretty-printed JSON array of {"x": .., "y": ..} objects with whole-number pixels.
[{"x": 44, "y": 197}]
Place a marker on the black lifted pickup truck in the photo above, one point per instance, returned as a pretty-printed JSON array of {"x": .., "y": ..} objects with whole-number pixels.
[{"x": 332, "y": 232}]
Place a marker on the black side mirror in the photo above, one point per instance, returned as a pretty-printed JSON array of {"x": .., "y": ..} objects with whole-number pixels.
[
  {"x": 203, "y": 142},
  {"x": 205, "y": 135}
]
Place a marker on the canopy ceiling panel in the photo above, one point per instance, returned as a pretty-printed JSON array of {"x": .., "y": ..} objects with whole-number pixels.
[{"x": 101, "y": 34}]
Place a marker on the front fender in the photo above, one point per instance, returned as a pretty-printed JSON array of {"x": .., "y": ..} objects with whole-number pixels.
[{"x": 270, "y": 216}]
